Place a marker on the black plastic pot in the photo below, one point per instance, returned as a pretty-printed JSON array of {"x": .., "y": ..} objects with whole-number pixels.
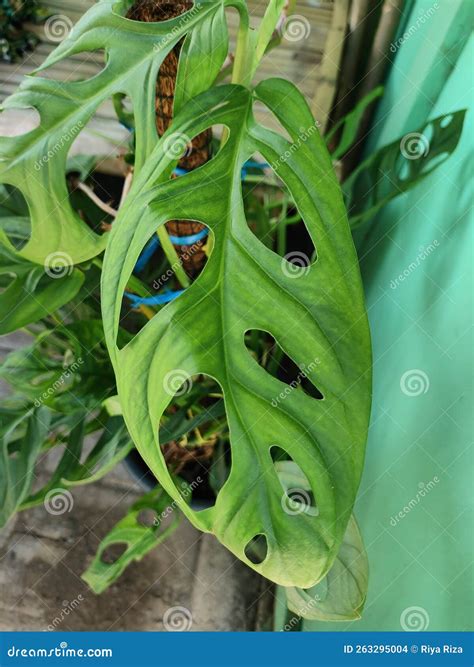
[{"x": 203, "y": 497}]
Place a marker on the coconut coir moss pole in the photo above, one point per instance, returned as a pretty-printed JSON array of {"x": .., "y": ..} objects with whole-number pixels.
[{"x": 199, "y": 150}]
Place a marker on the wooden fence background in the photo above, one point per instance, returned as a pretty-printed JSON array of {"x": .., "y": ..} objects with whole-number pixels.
[{"x": 300, "y": 61}]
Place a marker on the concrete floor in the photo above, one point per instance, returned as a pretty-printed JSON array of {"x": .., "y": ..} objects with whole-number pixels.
[{"x": 42, "y": 557}]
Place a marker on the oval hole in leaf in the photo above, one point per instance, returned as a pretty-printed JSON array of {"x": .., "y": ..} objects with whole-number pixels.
[
  {"x": 257, "y": 549},
  {"x": 146, "y": 517},
  {"x": 165, "y": 519},
  {"x": 113, "y": 552},
  {"x": 273, "y": 359},
  {"x": 298, "y": 495},
  {"x": 446, "y": 120},
  {"x": 432, "y": 162},
  {"x": 194, "y": 436},
  {"x": 273, "y": 218},
  {"x": 194, "y": 152},
  {"x": 95, "y": 190},
  {"x": 158, "y": 278},
  {"x": 103, "y": 135},
  {"x": 19, "y": 122}
]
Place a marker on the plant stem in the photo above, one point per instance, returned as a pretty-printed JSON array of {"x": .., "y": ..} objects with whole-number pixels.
[
  {"x": 97, "y": 201},
  {"x": 172, "y": 257},
  {"x": 147, "y": 311},
  {"x": 241, "y": 73}
]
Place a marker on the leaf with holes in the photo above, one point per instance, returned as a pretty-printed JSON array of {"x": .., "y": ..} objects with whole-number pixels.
[
  {"x": 135, "y": 536},
  {"x": 316, "y": 315},
  {"x": 398, "y": 167},
  {"x": 35, "y": 162}
]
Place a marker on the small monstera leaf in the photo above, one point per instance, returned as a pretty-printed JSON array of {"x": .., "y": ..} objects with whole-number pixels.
[
  {"x": 316, "y": 315},
  {"x": 35, "y": 162},
  {"x": 136, "y": 535},
  {"x": 399, "y": 166}
]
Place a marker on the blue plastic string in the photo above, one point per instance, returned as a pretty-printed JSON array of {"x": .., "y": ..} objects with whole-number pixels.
[
  {"x": 156, "y": 300},
  {"x": 179, "y": 171},
  {"x": 251, "y": 164},
  {"x": 189, "y": 240},
  {"x": 147, "y": 253}
]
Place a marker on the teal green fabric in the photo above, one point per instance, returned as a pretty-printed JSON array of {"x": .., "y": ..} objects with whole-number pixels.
[{"x": 415, "y": 503}]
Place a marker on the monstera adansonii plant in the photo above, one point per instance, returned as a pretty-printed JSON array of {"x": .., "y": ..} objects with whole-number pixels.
[{"x": 316, "y": 316}]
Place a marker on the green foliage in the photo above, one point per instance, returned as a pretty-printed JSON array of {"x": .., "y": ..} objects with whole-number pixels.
[
  {"x": 35, "y": 163},
  {"x": 346, "y": 128},
  {"x": 340, "y": 596},
  {"x": 15, "y": 40},
  {"x": 65, "y": 368},
  {"x": 319, "y": 315},
  {"x": 20, "y": 448},
  {"x": 112, "y": 445},
  {"x": 29, "y": 432},
  {"x": 316, "y": 314},
  {"x": 29, "y": 292},
  {"x": 400, "y": 166},
  {"x": 150, "y": 521}
]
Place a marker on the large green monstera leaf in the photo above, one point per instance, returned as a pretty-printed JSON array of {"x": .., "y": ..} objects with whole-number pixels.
[
  {"x": 36, "y": 161},
  {"x": 317, "y": 317}
]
